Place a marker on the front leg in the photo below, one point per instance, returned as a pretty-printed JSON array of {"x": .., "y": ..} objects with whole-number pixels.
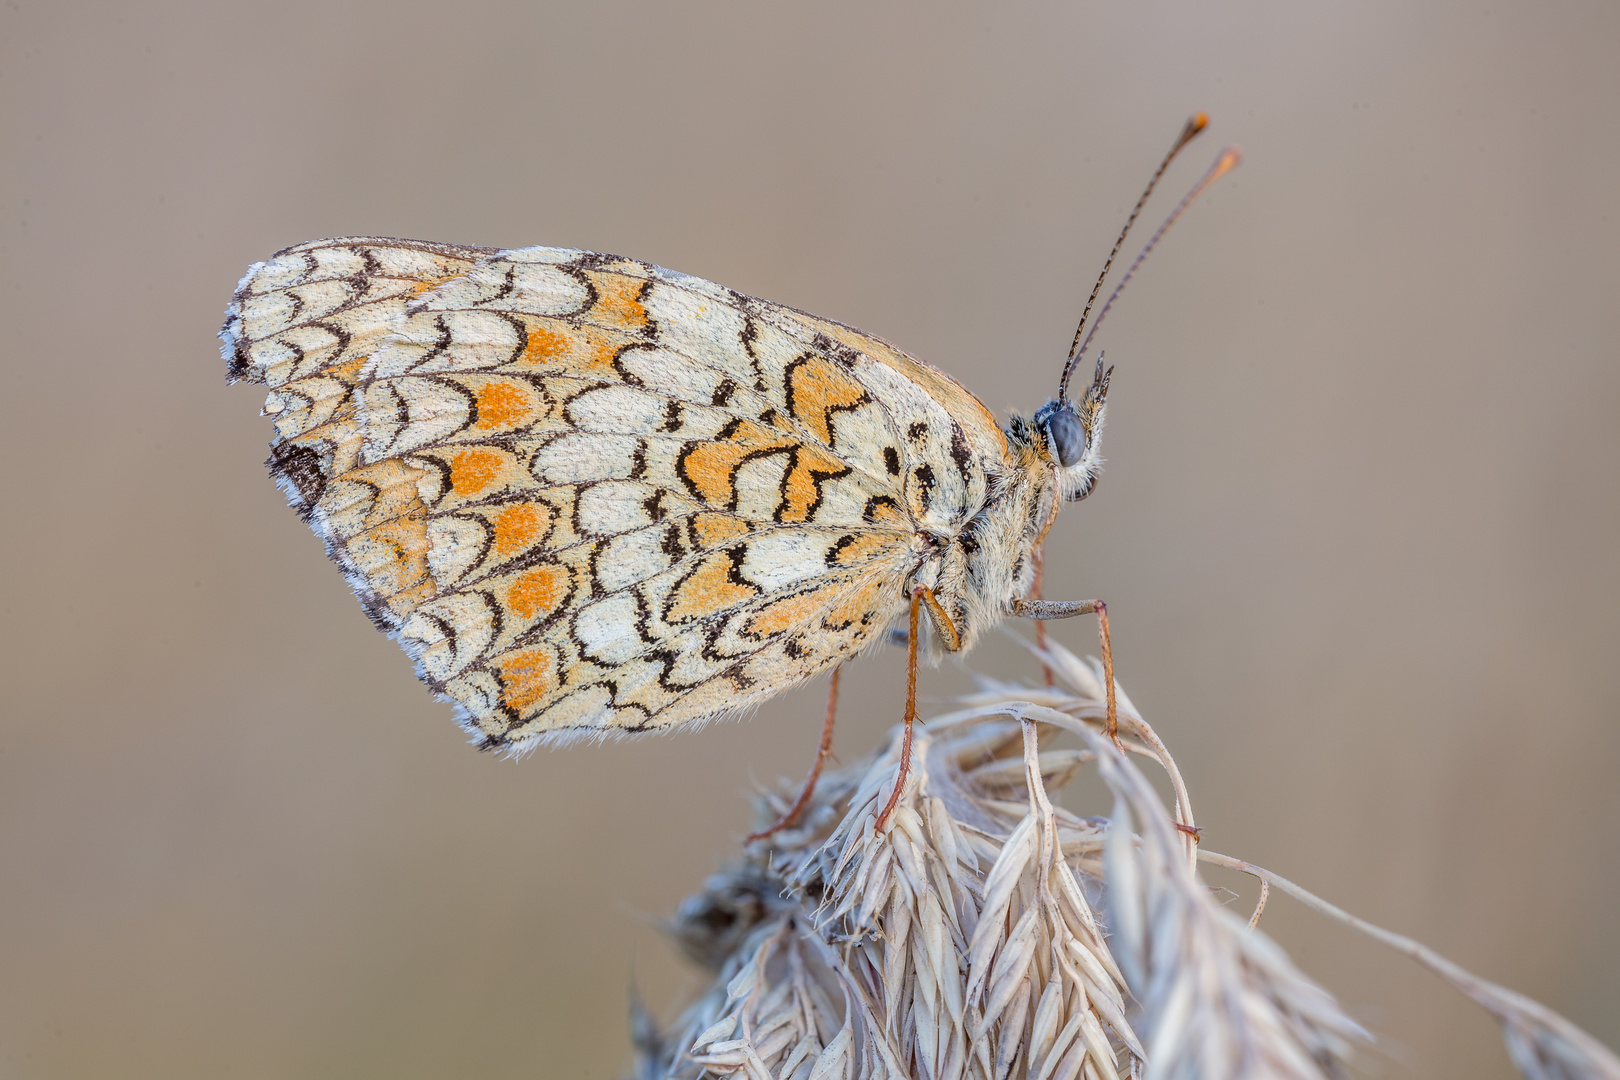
[{"x": 1046, "y": 610}]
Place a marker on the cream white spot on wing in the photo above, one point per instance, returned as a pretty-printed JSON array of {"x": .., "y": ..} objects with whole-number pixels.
[
  {"x": 424, "y": 640},
  {"x": 785, "y": 557},
  {"x": 444, "y": 656},
  {"x": 693, "y": 327},
  {"x": 843, "y": 499},
  {"x": 606, "y": 630},
  {"x": 630, "y": 558},
  {"x": 433, "y": 342},
  {"x": 538, "y": 255},
  {"x": 534, "y": 288},
  {"x": 586, "y": 456},
  {"x": 454, "y": 547},
  {"x": 616, "y": 408},
  {"x": 292, "y": 353},
  {"x": 613, "y": 507},
  {"x": 476, "y": 691},
  {"x": 758, "y": 484},
  {"x": 431, "y": 412},
  {"x": 678, "y": 377},
  {"x": 590, "y": 707}
]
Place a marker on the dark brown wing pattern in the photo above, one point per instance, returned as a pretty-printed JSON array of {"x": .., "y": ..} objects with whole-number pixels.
[{"x": 588, "y": 495}]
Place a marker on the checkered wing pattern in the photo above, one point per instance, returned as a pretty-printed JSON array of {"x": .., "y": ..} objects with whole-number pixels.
[{"x": 591, "y": 496}]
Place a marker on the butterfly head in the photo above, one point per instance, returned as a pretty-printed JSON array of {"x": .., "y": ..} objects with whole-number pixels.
[{"x": 1070, "y": 433}]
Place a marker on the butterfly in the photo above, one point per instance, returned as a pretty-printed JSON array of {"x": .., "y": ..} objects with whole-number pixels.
[{"x": 592, "y": 497}]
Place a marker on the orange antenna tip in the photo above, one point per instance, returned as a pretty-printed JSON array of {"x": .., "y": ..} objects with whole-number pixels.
[
  {"x": 1194, "y": 126},
  {"x": 1230, "y": 159}
]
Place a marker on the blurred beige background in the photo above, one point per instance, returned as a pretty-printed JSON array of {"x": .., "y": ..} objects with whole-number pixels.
[{"x": 1358, "y": 528}]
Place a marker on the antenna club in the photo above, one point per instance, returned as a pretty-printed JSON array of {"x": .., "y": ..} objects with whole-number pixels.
[
  {"x": 1230, "y": 159},
  {"x": 1199, "y": 122}
]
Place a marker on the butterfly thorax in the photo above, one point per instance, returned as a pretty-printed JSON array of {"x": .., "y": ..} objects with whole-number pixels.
[{"x": 990, "y": 562}]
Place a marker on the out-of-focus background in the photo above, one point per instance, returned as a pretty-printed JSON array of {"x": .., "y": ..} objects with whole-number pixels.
[{"x": 1357, "y": 529}]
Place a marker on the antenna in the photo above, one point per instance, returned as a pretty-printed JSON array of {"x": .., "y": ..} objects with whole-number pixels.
[
  {"x": 1224, "y": 164},
  {"x": 1188, "y": 132}
]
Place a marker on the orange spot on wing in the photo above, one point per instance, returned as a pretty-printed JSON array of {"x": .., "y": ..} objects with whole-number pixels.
[
  {"x": 815, "y": 388},
  {"x": 712, "y": 530},
  {"x": 347, "y": 372},
  {"x": 711, "y": 467},
  {"x": 502, "y": 404},
  {"x": 618, "y": 302},
  {"x": 983, "y": 432},
  {"x": 600, "y": 349},
  {"x": 471, "y": 471},
  {"x": 708, "y": 589},
  {"x": 538, "y": 592},
  {"x": 557, "y": 345},
  {"x": 527, "y": 678},
  {"x": 862, "y": 549},
  {"x": 518, "y": 526},
  {"x": 862, "y": 605},
  {"x": 786, "y": 614},
  {"x": 431, "y": 283},
  {"x": 884, "y": 511},
  {"x": 544, "y": 345},
  {"x": 801, "y": 490}
]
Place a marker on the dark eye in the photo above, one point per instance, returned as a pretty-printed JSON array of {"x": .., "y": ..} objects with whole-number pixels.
[{"x": 1066, "y": 434}]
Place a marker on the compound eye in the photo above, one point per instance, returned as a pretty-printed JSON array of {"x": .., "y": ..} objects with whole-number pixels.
[{"x": 1067, "y": 435}]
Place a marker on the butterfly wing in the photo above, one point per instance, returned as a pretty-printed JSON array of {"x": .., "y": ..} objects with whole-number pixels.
[{"x": 589, "y": 495}]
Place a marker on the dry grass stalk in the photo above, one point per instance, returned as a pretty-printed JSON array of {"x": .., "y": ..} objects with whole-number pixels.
[
  {"x": 1542, "y": 1044},
  {"x": 988, "y": 934}
]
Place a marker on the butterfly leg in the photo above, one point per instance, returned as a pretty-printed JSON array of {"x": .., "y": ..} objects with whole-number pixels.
[
  {"x": 921, "y": 596},
  {"x": 803, "y": 800},
  {"x": 1043, "y": 610}
]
